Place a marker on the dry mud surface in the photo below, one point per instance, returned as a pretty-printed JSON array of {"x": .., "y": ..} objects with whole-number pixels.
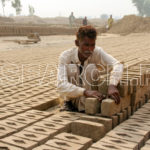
[{"x": 28, "y": 82}]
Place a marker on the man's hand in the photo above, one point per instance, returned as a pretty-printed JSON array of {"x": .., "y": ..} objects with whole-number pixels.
[
  {"x": 113, "y": 93},
  {"x": 95, "y": 94}
]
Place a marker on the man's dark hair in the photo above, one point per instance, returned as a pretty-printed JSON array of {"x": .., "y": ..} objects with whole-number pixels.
[{"x": 86, "y": 31}]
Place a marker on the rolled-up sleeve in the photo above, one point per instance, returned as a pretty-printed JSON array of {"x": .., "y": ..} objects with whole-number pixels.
[
  {"x": 65, "y": 88},
  {"x": 112, "y": 63}
]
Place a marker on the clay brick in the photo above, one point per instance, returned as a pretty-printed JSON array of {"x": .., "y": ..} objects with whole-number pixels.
[
  {"x": 19, "y": 106},
  {"x": 58, "y": 120},
  {"x": 136, "y": 125},
  {"x": 148, "y": 142},
  {"x": 135, "y": 98},
  {"x": 92, "y": 106},
  {"x": 31, "y": 116},
  {"x": 88, "y": 129},
  {"x": 21, "y": 119},
  {"x": 127, "y": 136},
  {"x": 120, "y": 142},
  {"x": 125, "y": 102},
  {"x": 120, "y": 117},
  {"x": 12, "y": 124},
  {"x": 41, "y": 113},
  {"x": 145, "y": 122},
  {"x": 19, "y": 142},
  {"x": 125, "y": 114},
  {"x": 40, "y": 130},
  {"x": 115, "y": 121},
  {"x": 67, "y": 116},
  {"x": 45, "y": 147},
  {"x": 94, "y": 148},
  {"x": 146, "y": 147},
  {"x": 107, "y": 122},
  {"x": 129, "y": 111},
  {"x": 14, "y": 109},
  {"x": 64, "y": 145},
  {"x": 4, "y": 146},
  {"x": 5, "y": 114},
  {"x": 107, "y": 146},
  {"x": 5, "y": 131},
  {"x": 52, "y": 125},
  {"x": 123, "y": 89},
  {"x": 133, "y": 131},
  {"x": 39, "y": 138},
  {"x": 141, "y": 117},
  {"x": 109, "y": 108},
  {"x": 86, "y": 142}
]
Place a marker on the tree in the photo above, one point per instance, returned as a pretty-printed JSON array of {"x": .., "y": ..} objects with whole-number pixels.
[
  {"x": 31, "y": 10},
  {"x": 143, "y": 7},
  {"x": 17, "y": 5},
  {"x": 147, "y": 7},
  {"x": 3, "y": 5}
]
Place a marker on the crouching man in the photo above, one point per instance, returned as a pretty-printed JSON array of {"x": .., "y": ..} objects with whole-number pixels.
[{"x": 77, "y": 70}]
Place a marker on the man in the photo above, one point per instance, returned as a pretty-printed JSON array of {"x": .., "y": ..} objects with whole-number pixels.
[
  {"x": 85, "y": 21},
  {"x": 110, "y": 22},
  {"x": 78, "y": 69},
  {"x": 71, "y": 19}
]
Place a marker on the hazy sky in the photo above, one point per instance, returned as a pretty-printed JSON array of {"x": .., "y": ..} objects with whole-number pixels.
[{"x": 93, "y": 8}]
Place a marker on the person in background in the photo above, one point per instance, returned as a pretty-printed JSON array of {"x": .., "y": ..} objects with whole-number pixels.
[
  {"x": 71, "y": 19},
  {"x": 85, "y": 22},
  {"x": 110, "y": 22}
]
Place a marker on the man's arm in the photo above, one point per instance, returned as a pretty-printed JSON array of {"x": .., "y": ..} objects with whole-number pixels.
[{"x": 115, "y": 74}]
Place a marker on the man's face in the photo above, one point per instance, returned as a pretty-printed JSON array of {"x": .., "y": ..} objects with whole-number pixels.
[{"x": 86, "y": 47}]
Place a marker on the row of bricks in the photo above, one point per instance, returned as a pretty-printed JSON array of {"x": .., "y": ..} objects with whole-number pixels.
[
  {"x": 131, "y": 134},
  {"x": 41, "y": 30},
  {"x": 76, "y": 126},
  {"x": 32, "y": 103},
  {"x": 47, "y": 95}
]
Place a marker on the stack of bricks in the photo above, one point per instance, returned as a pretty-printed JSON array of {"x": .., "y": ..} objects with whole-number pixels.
[
  {"x": 24, "y": 30},
  {"x": 133, "y": 133},
  {"x": 134, "y": 92}
]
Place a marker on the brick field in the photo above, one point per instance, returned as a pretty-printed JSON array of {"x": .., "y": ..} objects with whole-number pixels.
[{"x": 28, "y": 75}]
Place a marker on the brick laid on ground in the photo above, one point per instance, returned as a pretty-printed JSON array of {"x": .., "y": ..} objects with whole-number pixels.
[
  {"x": 45, "y": 147},
  {"x": 133, "y": 131},
  {"x": 19, "y": 142},
  {"x": 40, "y": 130},
  {"x": 107, "y": 122},
  {"x": 86, "y": 142},
  {"x": 120, "y": 142},
  {"x": 64, "y": 145},
  {"x": 51, "y": 125},
  {"x": 4, "y": 146},
  {"x": 107, "y": 146},
  {"x": 39, "y": 138},
  {"x": 88, "y": 129},
  {"x": 127, "y": 136}
]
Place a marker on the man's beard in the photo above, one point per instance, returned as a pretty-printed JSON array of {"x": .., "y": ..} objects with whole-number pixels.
[{"x": 87, "y": 53}]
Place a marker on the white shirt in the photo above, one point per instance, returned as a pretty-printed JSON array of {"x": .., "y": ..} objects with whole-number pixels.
[{"x": 99, "y": 57}]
